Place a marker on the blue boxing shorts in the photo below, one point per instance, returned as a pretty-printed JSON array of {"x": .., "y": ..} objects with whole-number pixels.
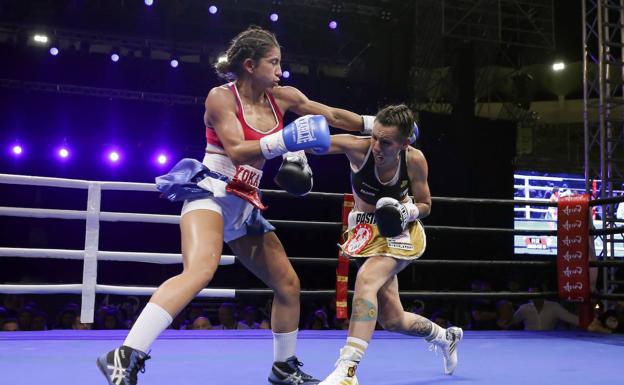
[{"x": 209, "y": 187}]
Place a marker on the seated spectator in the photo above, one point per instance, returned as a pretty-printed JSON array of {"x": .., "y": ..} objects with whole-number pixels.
[
  {"x": 265, "y": 314},
  {"x": 441, "y": 318},
  {"x": 193, "y": 311},
  {"x": 607, "y": 323},
  {"x": 539, "y": 314},
  {"x": 227, "y": 318},
  {"x": 13, "y": 302},
  {"x": 482, "y": 311},
  {"x": 66, "y": 317},
  {"x": 10, "y": 325},
  {"x": 78, "y": 325},
  {"x": 417, "y": 307},
  {"x": 505, "y": 312},
  {"x": 130, "y": 309},
  {"x": 201, "y": 323},
  {"x": 180, "y": 322},
  {"x": 317, "y": 320},
  {"x": 342, "y": 324},
  {"x": 39, "y": 321},
  {"x": 265, "y": 324},
  {"x": 3, "y": 314},
  {"x": 24, "y": 317},
  {"x": 112, "y": 320},
  {"x": 250, "y": 315}
]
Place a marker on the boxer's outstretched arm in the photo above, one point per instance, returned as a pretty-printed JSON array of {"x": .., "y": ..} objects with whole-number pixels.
[
  {"x": 298, "y": 103},
  {"x": 354, "y": 147}
]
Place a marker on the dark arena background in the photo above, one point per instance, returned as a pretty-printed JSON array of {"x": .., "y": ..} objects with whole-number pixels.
[{"x": 514, "y": 99}]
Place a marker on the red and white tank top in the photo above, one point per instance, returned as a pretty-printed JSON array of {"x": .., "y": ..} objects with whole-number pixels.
[{"x": 249, "y": 133}]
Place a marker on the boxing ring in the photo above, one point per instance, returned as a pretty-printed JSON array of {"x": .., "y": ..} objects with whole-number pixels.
[{"x": 243, "y": 357}]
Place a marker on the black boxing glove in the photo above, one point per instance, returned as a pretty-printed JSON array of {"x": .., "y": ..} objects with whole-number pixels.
[
  {"x": 294, "y": 175},
  {"x": 393, "y": 217}
]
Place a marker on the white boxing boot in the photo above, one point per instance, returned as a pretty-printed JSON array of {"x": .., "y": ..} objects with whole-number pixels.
[
  {"x": 344, "y": 373},
  {"x": 447, "y": 340}
]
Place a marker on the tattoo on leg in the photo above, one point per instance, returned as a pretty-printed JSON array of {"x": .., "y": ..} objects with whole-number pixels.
[
  {"x": 363, "y": 310},
  {"x": 420, "y": 327}
]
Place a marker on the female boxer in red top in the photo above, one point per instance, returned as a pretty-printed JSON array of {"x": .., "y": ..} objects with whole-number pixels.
[{"x": 243, "y": 122}]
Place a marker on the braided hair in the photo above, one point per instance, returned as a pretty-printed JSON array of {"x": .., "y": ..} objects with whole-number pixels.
[
  {"x": 253, "y": 43},
  {"x": 397, "y": 115}
]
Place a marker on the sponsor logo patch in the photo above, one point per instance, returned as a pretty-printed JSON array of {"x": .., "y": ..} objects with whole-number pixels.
[{"x": 362, "y": 234}]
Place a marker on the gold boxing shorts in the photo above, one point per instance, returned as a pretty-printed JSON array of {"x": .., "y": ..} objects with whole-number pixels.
[{"x": 364, "y": 240}]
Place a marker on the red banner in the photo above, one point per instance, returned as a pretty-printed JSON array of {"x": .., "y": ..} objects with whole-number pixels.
[
  {"x": 342, "y": 272},
  {"x": 573, "y": 248}
]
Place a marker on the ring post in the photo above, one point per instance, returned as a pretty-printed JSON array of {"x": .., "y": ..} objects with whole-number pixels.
[
  {"x": 573, "y": 253},
  {"x": 92, "y": 237}
]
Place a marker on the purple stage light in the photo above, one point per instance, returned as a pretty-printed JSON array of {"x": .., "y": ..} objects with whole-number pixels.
[
  {"x": 17, "y": 150},
  {"x": 286, "y": 74},
  {"x": 333, "y": 24},
  {"x": 174, "y": 63},
  {"x": 212, "y": 9},
  {"x": 274, "y": 17},
  {"x": 162, "y": 159},
  {"x": 54, "y": 51},
  {"x": 114, "y": 156},
  {"x": 115, "y": 57},
  {"x": 63, "y": 153},
  {"x": 149, "y": 3}
]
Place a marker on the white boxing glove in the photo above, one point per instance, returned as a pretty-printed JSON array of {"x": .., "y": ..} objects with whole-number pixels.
[{"x": 367, "y": 124}]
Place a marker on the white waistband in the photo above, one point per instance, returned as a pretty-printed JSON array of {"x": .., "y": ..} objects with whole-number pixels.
[
  {"x": 223, "y": 165},
  {"x": 357, "y": 217}
]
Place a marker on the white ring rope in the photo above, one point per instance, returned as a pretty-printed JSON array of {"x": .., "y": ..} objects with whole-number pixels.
[
  {"x": 105, "y": 216},
  {"x": 124, "y": 256},
  {"x": 91, "y": 255},
  {"x": 104, "y": 289},
  {"x": 73, "y": 183}
]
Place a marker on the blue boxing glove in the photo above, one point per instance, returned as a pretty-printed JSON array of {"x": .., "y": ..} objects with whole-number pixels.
[
  {"x": 295, "y": 175},
  {"x": 307, "y": 132},
  {"x": 393, "y": 217},
  {"x": 415, "y": 133}
]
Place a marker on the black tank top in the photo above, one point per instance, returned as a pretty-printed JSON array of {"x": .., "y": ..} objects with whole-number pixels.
[{"x": 368, "y": 188}]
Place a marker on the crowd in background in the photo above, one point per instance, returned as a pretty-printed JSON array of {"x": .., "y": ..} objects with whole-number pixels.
[{"x": 21, "y": 313}]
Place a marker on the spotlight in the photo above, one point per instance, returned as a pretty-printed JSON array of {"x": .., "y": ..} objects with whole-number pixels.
[
  {"x": 212, "y": 9},
  {"x": 114, "y": 156},
  {"x": 162, "y": 159},
  {"x": 274, "y": 17},
  {"x": 17, "y": 150},
  {"x": 63, "y": 153},
  {"x": 559, "y": 66},
  {"x": 174, "y": 63},
  {"x": 333, "y": 24},
  {"x": 42, "y": 39},
  {"x": 286, "y": 74},
  {"x": 115, "y": 57},
  {"x": 149, "y": 3},
  {"x": 54, "y": 51}
]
